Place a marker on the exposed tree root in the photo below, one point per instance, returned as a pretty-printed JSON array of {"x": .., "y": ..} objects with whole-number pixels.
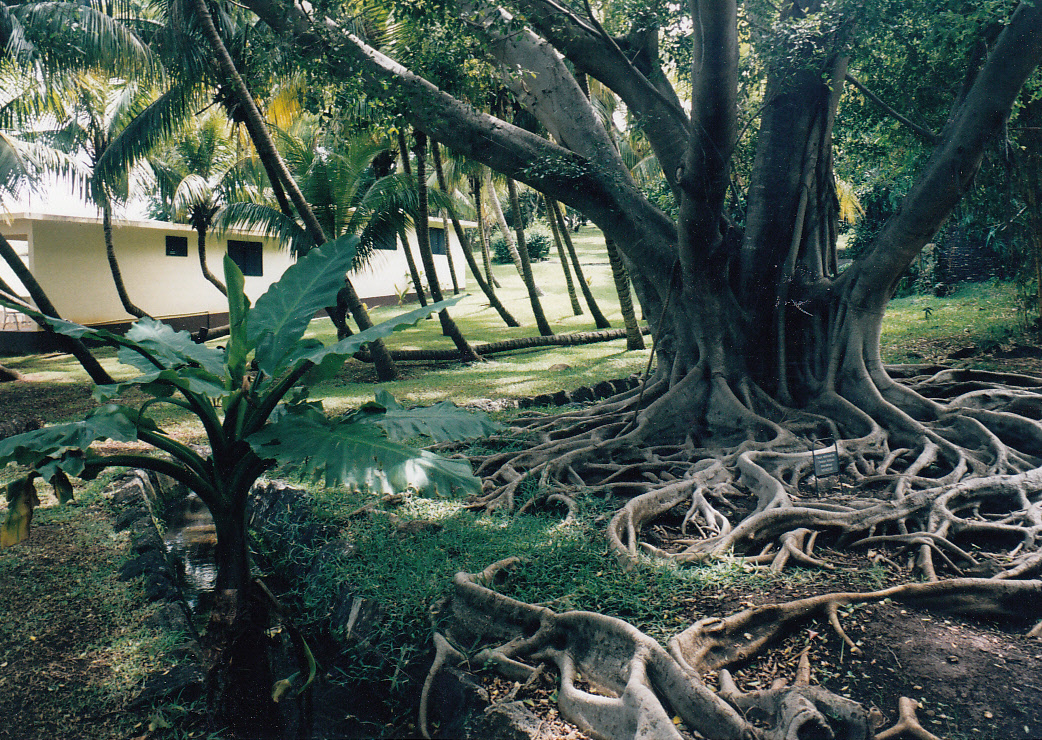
[
  {"x": 640, "y": 687},
  {"x": 941, "y": 472}
]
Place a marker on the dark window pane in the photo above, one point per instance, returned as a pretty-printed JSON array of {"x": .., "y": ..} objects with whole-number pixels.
[
  {"x": 176, "y": 246},
  {"x": 247, "y": 255},
  {"x": 437, "y": 240}
]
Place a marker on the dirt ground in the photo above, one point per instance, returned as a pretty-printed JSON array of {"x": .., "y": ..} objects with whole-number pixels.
[{"x": 971, "y": 679}]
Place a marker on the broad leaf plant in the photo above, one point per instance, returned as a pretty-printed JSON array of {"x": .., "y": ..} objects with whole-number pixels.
[{"x": 251, "y": 398}]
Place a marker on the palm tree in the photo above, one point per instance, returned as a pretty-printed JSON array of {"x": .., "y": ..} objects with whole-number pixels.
[
  {"x": 468, "y": 251},
  {"x": 280, "y": 177},
  {"x": 524, "y": 267},
  {"x": 101, "y": 110},
  {"x": 448, "y": 326},
  {"x": 196, "y": 175},
  {"x": 577, "y": 309}
]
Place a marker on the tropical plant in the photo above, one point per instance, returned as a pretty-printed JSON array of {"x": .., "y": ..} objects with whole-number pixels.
[{"x": 251, "y": 399}]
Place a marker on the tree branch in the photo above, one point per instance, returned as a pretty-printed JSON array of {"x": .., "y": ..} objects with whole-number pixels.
[
  {"x": 955, "y": 161},
  {"x": 594, "y": 52},
  {"x": 923, "y": 132}
]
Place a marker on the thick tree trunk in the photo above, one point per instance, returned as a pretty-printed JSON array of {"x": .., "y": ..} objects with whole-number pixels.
[
  {"x": 74, "y": 347},
  {"x": 117, "y": 275},
  {"x": 577, "y": 309},
  {"x": 448, "y": 326}
]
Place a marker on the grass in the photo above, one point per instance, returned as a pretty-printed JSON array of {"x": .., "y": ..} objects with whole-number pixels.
[
  {"x": 75, "y": 641},
  {"x": 564, "y": 565},
  {"x": 980, "y": 315}
]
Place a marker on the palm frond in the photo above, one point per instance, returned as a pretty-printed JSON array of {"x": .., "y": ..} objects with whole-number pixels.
[
  {"x": 267, "y": 220},
  {"x": 83, "y": 35},
  {"x": 146, "y": 130}
]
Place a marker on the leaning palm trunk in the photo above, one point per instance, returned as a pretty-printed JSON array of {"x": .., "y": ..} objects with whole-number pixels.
[
  {"x": 417, "y": 278},
  {"x": 577, "y": 308},
  {"x": 201, "y": 231},
  {"x": 468, "y": 253},
  {"x": 262, "y": 141},
  {"x": 423, "y": 240},
  {"x": 448, "y": 255},
  {"x": 524, "y": 267},
  {"x": 634, "y": 339},
  {"x": 74, "y": 347},
  {"x": 479, "y": 203},
  {"x": 414, "y": 271},
  {"x": 117, "y": 275},
  {"x": 504, "y": 228},
  {"x": 599, "y": 320}
]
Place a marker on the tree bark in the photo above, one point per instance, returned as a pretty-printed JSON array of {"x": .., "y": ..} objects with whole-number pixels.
[{"x": 74, "y": 347}]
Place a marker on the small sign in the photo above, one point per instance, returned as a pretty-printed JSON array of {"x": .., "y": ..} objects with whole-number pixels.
[{"x": 826, "y": 461}]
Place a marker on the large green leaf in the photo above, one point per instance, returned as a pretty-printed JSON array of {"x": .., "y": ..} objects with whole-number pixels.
[
  {"x": 171, "y": 347},
  {"x": 442, "y": 422},
  {"x": 238, "y": 310},
  {"x": 61, "y": 446},
  {"x": 282, "y": 314},
  {"x": 360, "y": 456},
  {"x": 163, "y": 383}
]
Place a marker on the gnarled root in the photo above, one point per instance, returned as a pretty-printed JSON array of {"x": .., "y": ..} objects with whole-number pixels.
[
  {"x": 639, "y": 685},
  {"x": 713, "y": 643}
]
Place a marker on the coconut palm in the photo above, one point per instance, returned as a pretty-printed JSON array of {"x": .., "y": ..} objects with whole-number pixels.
[{"x": 196, "y": 175}]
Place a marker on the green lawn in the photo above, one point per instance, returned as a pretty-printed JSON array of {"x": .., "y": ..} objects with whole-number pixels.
[{"x": 916, "y": 329}]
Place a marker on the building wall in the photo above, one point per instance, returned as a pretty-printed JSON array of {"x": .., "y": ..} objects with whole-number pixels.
[{"x": 67, "y": 257}]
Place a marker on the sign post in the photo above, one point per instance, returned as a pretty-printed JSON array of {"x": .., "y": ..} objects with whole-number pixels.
[{"x": 826, "y": 462}]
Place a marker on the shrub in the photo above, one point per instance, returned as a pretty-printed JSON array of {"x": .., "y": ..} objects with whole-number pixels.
[{"x": 537, "y": 241}]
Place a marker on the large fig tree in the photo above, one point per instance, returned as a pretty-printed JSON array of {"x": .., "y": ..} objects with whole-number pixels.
[{"x": 762, "y": 344}]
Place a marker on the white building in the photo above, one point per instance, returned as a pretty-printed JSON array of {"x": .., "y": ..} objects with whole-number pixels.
[{"x": 160, "y": 266}]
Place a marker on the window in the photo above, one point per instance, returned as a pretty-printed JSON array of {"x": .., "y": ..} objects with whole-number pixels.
[
  {"x": 176, "y": 246},
  {"x": 247, "y": 255},
  {"x": 437, "y": 237}
]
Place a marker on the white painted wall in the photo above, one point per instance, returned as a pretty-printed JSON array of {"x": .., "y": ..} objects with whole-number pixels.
[{"x": 67, "y": 257}]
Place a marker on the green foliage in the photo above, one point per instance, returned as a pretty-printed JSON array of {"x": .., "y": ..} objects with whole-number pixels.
[
  {"x": 266, "y": 415},
  {"x": 537, "y": 241}
]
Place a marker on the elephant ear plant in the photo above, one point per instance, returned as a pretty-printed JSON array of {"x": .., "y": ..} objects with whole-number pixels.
[{"x": 251, "y": 398}]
